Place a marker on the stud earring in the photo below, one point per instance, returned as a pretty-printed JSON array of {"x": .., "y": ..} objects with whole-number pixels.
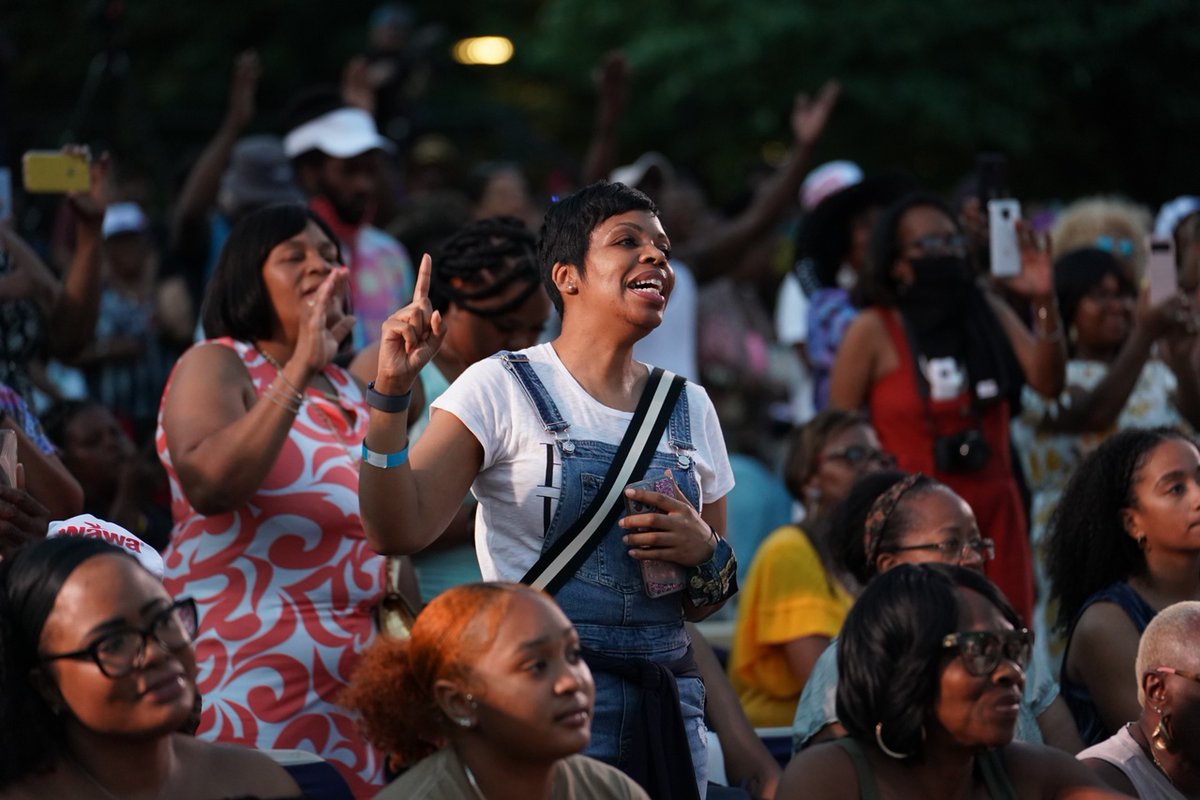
[{"x": 571, "y": 288}]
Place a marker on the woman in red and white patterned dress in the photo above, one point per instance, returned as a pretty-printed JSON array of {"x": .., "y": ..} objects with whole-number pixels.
[{"x": 261, "y": 434}]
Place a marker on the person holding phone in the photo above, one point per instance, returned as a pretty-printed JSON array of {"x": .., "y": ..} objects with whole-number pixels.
[
  {"x": 1129, "y": 366},
  {"x": 533, "y": 434},
  {"x": 940, "y": 363}
]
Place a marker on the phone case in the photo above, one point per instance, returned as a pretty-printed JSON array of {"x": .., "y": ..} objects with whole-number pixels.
[
  {"x": 52, "y": 172},
  {"x": 1002, "y": 235},
  {"x": 1160, "y": 269},
  {"x": 660, "y": 578},
  {"x": 8, "y": 457}
]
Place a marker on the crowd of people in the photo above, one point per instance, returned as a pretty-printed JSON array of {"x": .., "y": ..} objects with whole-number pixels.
[{"x": 343, "y": 478}]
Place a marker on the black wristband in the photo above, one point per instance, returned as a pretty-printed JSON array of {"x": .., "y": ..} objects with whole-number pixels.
[{"x": 389, "y": 403}]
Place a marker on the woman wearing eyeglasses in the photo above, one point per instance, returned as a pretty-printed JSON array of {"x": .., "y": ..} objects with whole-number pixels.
[
  {"x": 1124, "y": 544},
  {"x": 932, "y": 664},
  {"x": 1157, "y": 756},
  {"x": 794, "y": 600},
  {"x": 940, "y": 363},
  {"x": 1114, "y": 381},
  {"x": 889, "y": 519},
  {"x": 96, "y": 678}
]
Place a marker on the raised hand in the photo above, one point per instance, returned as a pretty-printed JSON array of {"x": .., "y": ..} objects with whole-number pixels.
[
  {"x": 242, "y": 89},
  {"x": 89, "y": 206},
  {"x": 409, "y": 338},
  {"x": 810, "y": 115},
  {"x": 675, "y": 533},
  {"x": 1037, "y": 271},
  {"x": 324, "y": 322}
]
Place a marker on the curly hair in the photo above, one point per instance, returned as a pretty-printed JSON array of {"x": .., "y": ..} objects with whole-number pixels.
[
  {"x": 1088, "y": 547},
  {"x": 847, "y": 523},
  {"x": 1083, "y": 222},
  {"x": 392, "y": 688},
  {"x": 485, "y": 257},
  {"x": 567, "y": 227},
  {"x": 33, "y": 736},
  {"x": 890, "y": 650}
]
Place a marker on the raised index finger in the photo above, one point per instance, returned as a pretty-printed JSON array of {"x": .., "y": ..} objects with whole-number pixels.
[{"x": 421, "y": 289}]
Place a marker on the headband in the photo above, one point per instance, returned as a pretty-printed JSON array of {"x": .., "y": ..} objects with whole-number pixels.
[{"x": 881, "y": 511}]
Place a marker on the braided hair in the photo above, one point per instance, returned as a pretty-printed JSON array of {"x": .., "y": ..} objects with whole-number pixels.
[{"x": 485, "y": 258}]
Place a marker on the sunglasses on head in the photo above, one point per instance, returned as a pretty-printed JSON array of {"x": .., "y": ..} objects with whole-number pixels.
[
  {"x": 1122, "y": 247},
  {"x": 982, "y": 651},
  {"x": 858, "y": 454}
]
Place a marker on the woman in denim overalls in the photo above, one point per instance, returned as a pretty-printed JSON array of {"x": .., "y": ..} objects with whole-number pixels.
[{"x": 604, "y": 262}]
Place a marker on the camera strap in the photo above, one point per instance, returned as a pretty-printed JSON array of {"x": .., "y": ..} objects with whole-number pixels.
[
  {"x": 563, "y": 558},
  {"x": 922, "y": 381}
]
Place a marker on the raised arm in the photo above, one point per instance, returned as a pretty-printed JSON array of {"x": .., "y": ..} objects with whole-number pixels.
[
  {"x": 73, "y": 319},
  {"x": 1097, "y": 409},
  {"x": 612, "y": 87},
  {"x": 1041, "y": 352},
  {"x": 720, "y": 249},
  {"x": 222, "y": 437},
  {"x": 407, "y": 504},
  {"x": 189, "y": 224}
]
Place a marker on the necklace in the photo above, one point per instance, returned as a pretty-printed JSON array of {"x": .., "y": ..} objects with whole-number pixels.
[
  {"x": 332, "y": 398},
  {"x": 274, "y": 362},
  {"x": 474, "y": 783}
]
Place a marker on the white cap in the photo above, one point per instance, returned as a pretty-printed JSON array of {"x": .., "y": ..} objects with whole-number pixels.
[
  {"x": 123, "y": 218},
  {"x": 341, "y": 133},
  {"x": 632, "y": 174},
  {"x": 830, "y": 177},
  {"x": 1174, "y": 212},
  {"x": 89, "y": 527}
]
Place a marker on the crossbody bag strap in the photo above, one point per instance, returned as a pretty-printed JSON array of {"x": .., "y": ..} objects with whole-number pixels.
[{"x": 562, "y": 559}]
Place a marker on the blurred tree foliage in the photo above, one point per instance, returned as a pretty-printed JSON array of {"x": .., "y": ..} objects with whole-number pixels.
[{"x": 1083, "y": 95}]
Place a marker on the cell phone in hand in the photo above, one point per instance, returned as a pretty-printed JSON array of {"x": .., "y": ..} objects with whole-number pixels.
[
  {"x": 660, "y": 578},
  {"x": 8, "y": 457},
  {"x": 1002, "y": 237},
  {"x": 1160, "y": 268},
  {"x": 54, "y": 172}
]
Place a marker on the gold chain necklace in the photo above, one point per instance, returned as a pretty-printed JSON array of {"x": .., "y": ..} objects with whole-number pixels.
[
  {"x": 1149, "y": 748},
  {"x": 320, "y": 412}
]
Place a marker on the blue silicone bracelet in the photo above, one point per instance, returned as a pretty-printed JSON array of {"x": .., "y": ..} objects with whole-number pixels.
[{"x": 384, "y": 460}]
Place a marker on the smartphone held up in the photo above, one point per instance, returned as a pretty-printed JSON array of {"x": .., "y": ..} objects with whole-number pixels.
[
  {"x": 1005, "y": 249},
  {"x": 55, "y": 172}
]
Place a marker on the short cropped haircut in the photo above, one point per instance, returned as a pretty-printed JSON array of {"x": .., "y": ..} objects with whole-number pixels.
[
  {"x": 1172, "y": 639},
  {"x": 568, "y": 225},
  {"x": 890, "y": 650},
  {"x": 236, "y": 303}
]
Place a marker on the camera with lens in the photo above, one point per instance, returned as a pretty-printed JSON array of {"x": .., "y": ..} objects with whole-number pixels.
[{"x": 966, "y": 451}]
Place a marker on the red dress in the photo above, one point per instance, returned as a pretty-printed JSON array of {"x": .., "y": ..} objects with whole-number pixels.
[
  {"x": 285, "y": 586},
  {"x": 898, "y": 413}
]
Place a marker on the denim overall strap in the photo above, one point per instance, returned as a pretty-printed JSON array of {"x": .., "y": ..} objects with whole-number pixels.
[
  {"x": 679, "y": 433},
  {"x": 560, "y": 561},
  {"x": 518, "y": 364}
]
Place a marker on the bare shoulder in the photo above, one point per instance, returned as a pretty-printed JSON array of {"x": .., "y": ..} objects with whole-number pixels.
[
  {"x": 820, "y": 772},
  {"x": 1039, "y": 771},
  {"x": 209, "y": 363},
  {"x": 227, "y": 770},
  {"x": 1101, "y": 628}
]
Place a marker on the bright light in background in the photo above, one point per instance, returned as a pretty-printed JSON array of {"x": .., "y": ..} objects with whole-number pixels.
[{"x": 489, "y": 50}]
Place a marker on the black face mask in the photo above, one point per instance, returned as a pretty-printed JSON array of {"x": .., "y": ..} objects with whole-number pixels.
[{"x": 939, "y": 294}]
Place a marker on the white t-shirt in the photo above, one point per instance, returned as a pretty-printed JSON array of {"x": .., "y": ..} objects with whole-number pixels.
[
  {"x": 791, "y": 328},
  {"x": 672, "y": 345},
  {"x": 521, "y": 474}
]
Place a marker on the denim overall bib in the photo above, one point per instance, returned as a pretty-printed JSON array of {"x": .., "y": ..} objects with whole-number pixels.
[{"x": 606, "y": 599}]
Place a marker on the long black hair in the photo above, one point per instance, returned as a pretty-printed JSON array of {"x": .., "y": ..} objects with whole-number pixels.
[
  {"x": 1088, "y": 547},
  {"x": 32, "y": 736}
]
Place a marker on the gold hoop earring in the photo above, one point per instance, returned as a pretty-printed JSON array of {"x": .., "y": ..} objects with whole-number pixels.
[
  {"x": 887, "y": 751},
  {"x": 1161, "y": 738}
]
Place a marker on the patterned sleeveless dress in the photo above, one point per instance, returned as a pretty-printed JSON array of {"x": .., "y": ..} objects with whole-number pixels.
[{"x": 285, "y": 586}]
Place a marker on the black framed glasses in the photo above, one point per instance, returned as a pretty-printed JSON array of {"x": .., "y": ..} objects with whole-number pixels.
[
  {"x": 935, "y": 244},
  {"x": 121, "y": 651},
  {"x": 856, "y": 455},
  {"x": 1191, "y": 676},
  {"x": 982, "y": 651},
  {"x": 953, "y": 549}
]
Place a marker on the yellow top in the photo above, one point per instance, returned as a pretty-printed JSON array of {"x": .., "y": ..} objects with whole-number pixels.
[{"x": 787, "y": 596}]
